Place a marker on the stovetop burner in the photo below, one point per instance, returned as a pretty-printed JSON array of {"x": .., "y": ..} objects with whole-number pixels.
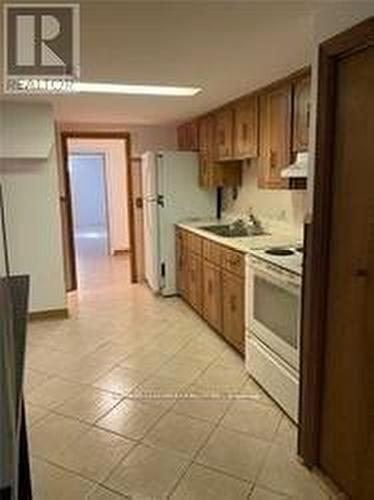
[{"x": 281, "y": 252}]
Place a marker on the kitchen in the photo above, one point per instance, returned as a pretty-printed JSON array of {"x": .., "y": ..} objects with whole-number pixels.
[
  {"x": 241, "y": 271},
  {"x": 248, "y": 372}
]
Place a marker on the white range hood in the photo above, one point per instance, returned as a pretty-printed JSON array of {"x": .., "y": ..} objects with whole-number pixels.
[{"x": 297, "y": 170}]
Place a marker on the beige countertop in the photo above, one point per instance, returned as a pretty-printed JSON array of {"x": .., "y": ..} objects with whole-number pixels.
[{"x": 246, "y": 244}]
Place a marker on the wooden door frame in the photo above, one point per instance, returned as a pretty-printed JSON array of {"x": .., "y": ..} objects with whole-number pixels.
[
  {"x": 316, "y": 283},
  {"x": 114, "y": 135}
]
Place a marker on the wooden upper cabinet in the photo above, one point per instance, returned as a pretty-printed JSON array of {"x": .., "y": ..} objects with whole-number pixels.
[
  {"x": 246, "y": 128},
  {"x": 188, "y": 136},
  {"x": 301, "y": 115},
  {"x": 212, "y": 173},
  {"x": 224, "y": 134},
  {"x": 275, "y": 136}
]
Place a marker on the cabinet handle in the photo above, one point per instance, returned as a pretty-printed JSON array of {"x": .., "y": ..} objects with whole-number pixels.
[
  {"x": 244, "y": 131},
  {"x": 210, "y": 287},
  {"x": 272, "y": 159},
  {"x": 234, "y": 261},
  {"x": 232, "y": 303}
]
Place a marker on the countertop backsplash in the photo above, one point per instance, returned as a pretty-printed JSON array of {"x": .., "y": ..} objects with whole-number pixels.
[{"x": 281, "y": 211}]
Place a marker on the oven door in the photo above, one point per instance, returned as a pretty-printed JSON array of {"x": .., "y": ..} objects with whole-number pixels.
[{"x": 274, "y": 309}]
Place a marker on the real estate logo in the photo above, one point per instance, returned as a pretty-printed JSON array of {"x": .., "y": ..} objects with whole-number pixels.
[{"x": 41, "y": 48}]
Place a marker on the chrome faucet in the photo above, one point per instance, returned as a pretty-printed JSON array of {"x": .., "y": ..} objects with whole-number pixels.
[{"x": 255, "y": 223}]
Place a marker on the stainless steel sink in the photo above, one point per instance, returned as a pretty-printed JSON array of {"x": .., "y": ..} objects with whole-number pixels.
[{"x": 233, "y": 230}]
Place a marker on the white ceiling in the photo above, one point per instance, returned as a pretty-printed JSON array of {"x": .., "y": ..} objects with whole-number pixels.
[{"x": 227, "y": 48}]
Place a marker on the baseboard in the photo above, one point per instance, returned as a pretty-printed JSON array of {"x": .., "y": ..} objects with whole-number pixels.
[
  {"x": 116, "y": 253},
  {"x": 49, "y": 315}
]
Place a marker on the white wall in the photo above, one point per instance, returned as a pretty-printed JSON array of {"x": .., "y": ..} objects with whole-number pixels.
[
  {"x": 143, "y": 138},
  {"x": 34, "y": 223},
  {"x": 87, "y": 179},
  {"x": 284, "y": 207},
  {"x": 331, "y": 19},
  {"x": 116, "y": 184}
]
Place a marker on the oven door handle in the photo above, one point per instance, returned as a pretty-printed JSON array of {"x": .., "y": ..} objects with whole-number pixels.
[{"x": 275, "y": 276}]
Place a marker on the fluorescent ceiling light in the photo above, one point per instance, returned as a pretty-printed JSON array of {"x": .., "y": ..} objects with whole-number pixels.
[{"x": 114, "y": 88}]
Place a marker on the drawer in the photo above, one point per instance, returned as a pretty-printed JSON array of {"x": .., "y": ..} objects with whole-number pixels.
[
  {"x": 233, "y": 261},
  {"x": 212, "y": 252},
  {"x": 195, "y": 244}
]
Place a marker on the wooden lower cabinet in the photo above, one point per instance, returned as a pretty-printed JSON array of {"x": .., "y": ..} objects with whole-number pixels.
[
  {"x": 233, "y": 310},
  {"x": 195, "y": 281},
  {"x": 210, "y": 277},
  {"x": 212, "y": 295},
  {"x": 181, "y": 264}
]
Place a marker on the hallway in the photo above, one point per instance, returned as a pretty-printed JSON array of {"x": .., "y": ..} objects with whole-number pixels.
[{"x": 105, "y": 418}]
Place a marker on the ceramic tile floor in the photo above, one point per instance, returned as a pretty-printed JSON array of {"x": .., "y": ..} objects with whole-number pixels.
[{"x": 110, "y": 415}]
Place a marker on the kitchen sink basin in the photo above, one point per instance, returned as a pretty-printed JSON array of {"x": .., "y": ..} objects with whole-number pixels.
[{"x": 233, "y": 231}]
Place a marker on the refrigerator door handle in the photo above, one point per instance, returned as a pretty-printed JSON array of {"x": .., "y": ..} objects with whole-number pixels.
[{"x": 161, "y": 200}]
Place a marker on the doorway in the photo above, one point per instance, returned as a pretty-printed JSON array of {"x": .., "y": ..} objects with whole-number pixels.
[
  {"x": 90, "y": 204},
  {"x": 98, "y": 201}
]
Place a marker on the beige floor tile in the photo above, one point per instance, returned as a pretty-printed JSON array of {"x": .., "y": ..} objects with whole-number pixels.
[
  {"x": 221, "y": 379},
  {"x": 100, "y": 493},
  {"x": 252, "y": 390},
  {"x": 286, "y": 435},
  {"x": 90, "y": 405},
  {"x": 95, "y": 454},
  {"x": 253, "y": 418},
  {"x": 35, "y": 414},
  {"x": 53, "y": 434},
  {"x": 234, "y": 453},
  {"x": 203, "y": 483},
  {"x": 117, "y": 330},
  {"x": 53, "y": 393},
  {"x": 160, "y": 387},
  {"x": 199, "y": 406},
  {"x": 86, "y": 372},
  {"x": 121, "y": 380},
  {"x": 34, "y": 380},
  {"x": 184, "y": 368},
  {"x": 53, "y": 483},
  {"x": 285, "y": 474},
  {"x": 179, "y": 433},
  {"x": 132, "y": 418},
  {"x": 265, "y": 494},
  {"x": 147, "y": 473}
]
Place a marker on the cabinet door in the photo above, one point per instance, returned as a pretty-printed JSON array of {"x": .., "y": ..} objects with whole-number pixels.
[
  {"x": 212, "y": 300},
  {"x": 195, "y": 282},
  {"x": 224, "y": 134},
  {"x": 246, "y": 130},
  {"x": 188, "y": 136},
  {"x": 182, "y": 264},
  {"x": 275, "y": 136},
  {"x": 301, "y": 115},
  {"x": 212, "y": 174},
  {"x": 233, "y": 310}
]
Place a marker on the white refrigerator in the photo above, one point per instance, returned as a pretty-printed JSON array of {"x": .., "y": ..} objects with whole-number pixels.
[{"x": 171, "y": 194}]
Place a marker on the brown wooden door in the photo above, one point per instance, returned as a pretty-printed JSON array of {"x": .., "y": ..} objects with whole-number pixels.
[
  {"x": 137, "y": 187},
  {"x": 233, "y": 310},
  {"x": 212, "y": 299},
  {"x": 246, "y": 128},
  {"x": 347, "y": 420},
  {"x": 301, "y": 115},
  {"x": 224, "y": 134},
  {"x": 195, "y": 281}
]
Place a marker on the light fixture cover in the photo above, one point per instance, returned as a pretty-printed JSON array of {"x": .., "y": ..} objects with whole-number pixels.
[{"x": 116, "y": 88}]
